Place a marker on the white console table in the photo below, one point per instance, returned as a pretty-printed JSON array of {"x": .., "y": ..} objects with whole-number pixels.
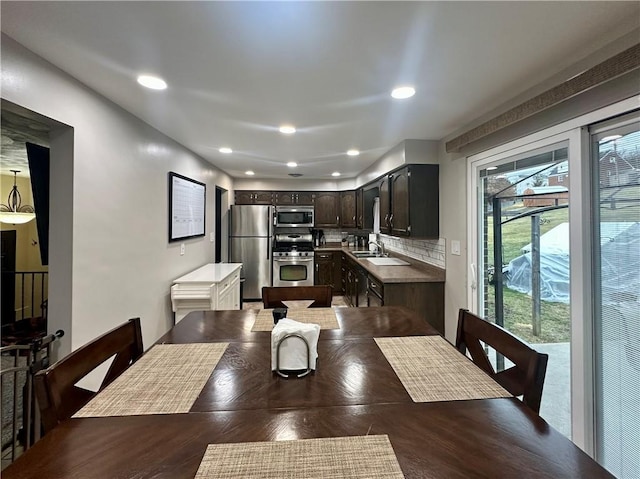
[{"x": 214, "y": 286}]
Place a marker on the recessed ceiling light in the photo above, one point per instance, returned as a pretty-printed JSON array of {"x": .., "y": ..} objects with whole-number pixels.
[
  {"x": 287, "y": 129},
  {"x": 224, "y": 149},
  {"x": 353, "y": 152},
  {"x": 249, "y": 173},
  {"x": 335, "y": 173},
  {"x": 292, "y": 164},
  {"x": 152, "y": 82},
  {"x": 403, "y": 92},
  {"x": 491, "y": 168}
]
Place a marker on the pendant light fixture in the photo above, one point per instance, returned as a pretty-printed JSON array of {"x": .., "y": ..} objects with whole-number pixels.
[{"x": 14, "y": 212}]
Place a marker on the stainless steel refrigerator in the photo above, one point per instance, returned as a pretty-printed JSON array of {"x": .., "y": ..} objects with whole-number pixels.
[{"x": 250, "y": 243}]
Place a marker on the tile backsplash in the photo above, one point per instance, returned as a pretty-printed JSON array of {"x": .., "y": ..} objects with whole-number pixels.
[
  {"x": 428, "y": 251},
  {"x": 332, "y": 236}
]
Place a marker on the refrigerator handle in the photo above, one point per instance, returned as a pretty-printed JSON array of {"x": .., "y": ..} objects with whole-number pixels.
[{"x": 270, "y": 221}]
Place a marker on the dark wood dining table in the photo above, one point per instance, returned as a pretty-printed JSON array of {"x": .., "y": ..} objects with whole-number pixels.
[{"x": 353, "y": 392}]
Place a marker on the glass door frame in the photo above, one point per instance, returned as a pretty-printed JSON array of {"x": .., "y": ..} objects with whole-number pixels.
[
  {"x": 618, "y": 124},
  {"x": 576, "y": 135}
]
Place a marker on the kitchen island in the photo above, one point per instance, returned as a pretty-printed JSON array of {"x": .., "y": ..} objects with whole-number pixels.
[{"x": 214, "y": 286}]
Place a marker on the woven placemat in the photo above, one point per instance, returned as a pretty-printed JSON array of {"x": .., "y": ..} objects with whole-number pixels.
[
  {"x": 431, "y": 369},
  {"x": 325, "y": 317},
  {"x": 356, "y": 457},
  {"x": 167, "y": 379}
]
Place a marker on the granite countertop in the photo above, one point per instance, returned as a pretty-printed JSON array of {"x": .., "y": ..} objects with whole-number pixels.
[{"x": 416, "y": 272}]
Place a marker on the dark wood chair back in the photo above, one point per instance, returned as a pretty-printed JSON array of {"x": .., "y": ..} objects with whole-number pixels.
[
  {"x": 58, "y": 396},
  {"x": 273, "y": 297},
  {"x": 525, "y": 378}
]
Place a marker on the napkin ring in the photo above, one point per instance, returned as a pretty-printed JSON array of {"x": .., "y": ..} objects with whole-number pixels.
[{"x": 306, "y": 343}]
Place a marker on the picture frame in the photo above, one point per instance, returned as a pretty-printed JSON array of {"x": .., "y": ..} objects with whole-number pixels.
[{"x": 187, "y": 207}]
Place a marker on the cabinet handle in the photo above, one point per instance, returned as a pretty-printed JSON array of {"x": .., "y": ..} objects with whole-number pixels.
[
  {"x": 316, "y": 267},
  {"x": 386, "y": 219},
  {"x": 337, "y": 219},
  {"x": 354, "y": 218},
  {"x": 391, "y": 221}
]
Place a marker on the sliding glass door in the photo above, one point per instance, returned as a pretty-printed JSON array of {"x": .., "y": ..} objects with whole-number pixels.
[
  {"x": 554, "y": 256},
  {"x": 615, "y": 164},
  {"x": 524, "y": 280}
]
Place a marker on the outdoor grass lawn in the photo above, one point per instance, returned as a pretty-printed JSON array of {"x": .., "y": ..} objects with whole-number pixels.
[
  {"x": 555, "y": 319},
  {"x": 517, "y": 233}
]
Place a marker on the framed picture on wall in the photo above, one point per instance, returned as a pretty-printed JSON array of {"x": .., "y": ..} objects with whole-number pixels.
[{"x": 186, "y": 207}]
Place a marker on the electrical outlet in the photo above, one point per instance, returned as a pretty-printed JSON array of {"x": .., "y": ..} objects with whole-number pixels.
[
  {"x": 182, "y": 248},
  {"x": 212, "y": 237},
  {"x": 455, "y": 247}
]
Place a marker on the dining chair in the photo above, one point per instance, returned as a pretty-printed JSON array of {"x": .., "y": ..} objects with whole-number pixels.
[
  {"x": 525, "y": 378},
  {"x": 57, "y": 394},
  {"x": 273, "y": 296}
]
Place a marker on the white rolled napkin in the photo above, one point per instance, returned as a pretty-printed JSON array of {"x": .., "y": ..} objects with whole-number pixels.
[{"x": 293, "y": 352}]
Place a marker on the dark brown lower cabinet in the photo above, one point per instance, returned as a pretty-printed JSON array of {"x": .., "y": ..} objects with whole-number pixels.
[
  {"x": 323, "y": 274},
  {"x": 360, "y": 288},
  {"x": 426, "y": 299}
]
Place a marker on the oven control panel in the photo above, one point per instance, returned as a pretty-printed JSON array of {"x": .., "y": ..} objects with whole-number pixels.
[{"x": 293, "y": 254}]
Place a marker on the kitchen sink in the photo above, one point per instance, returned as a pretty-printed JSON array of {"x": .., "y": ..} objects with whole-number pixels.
[
  {"x": 388, "y": 262},
  {"x": 365, "y": 254}
]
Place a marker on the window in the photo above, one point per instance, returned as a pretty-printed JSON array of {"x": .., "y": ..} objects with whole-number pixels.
[
  {"x": 615, "y": 152},
  {"x": 585, "y": 365}
]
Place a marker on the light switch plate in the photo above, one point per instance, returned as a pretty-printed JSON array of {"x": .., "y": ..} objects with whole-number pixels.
[
  {"x": 212, "y": 237},
  {"x": 182, "y": 248},
  {"x": 455, "y": 247}
]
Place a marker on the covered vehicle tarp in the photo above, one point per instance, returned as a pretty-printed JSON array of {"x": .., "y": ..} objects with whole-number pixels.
[
  {"x": 620, "y": 264},
  {"x": 554, "y": 276}
]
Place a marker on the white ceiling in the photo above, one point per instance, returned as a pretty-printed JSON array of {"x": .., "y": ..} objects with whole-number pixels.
[{"x": 238, "y": 70}]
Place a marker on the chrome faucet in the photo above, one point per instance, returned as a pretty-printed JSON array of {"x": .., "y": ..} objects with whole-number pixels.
[{"x": 379, "y": 246}]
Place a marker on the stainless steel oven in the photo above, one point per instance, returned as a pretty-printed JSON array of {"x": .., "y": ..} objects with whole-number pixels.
[
  {"x": 294, "y": 217},
  {"x": 293, "y": 269},
  {"x": 293, "y": 260}
]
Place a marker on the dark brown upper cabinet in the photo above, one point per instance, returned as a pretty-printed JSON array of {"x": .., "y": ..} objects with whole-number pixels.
[
  {"x": 348, "y": 216},
  {"x": 360, "y": 208},
  {"x": 304, "y": 198},
  {"x": 409, "y": 202},
  {"x": 385, "y": 204},
  {"x": 247, "y": 197},
  {"x": 327, "y": 209}
]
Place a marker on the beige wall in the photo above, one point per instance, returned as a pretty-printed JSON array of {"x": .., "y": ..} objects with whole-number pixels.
[
  {"x": 110, "y": 258},
  {"x": 27, "y": 246},
  {"x": 27, "y": 254},
  {"x": 453, "y": 226}
]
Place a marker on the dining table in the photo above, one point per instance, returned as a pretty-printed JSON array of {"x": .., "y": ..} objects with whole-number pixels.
[{"x": 379, "y": 404}]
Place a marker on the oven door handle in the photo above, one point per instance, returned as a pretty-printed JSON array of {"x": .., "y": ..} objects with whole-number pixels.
[{"x": 289, "y": 260}]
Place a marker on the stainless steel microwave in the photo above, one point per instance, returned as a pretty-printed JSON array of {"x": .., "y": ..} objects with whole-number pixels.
[{"x": 294, "y": 216}]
